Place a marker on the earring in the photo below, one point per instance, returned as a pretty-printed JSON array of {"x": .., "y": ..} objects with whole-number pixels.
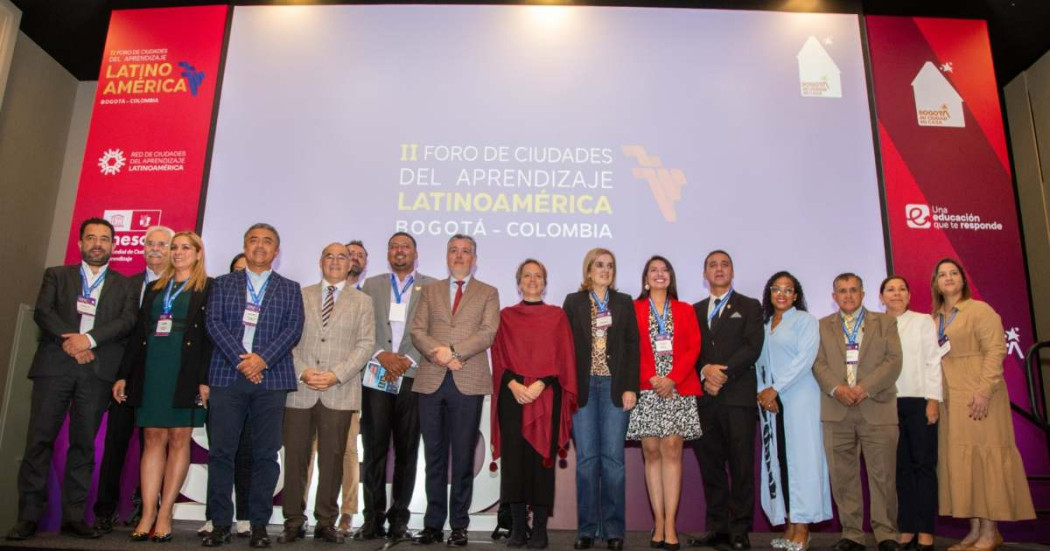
[{"x": 646, "y": 286}]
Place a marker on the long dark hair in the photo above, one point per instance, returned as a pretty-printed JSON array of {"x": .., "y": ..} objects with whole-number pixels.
[
  {"x": 767, "y": 295},
  {"x": 935, "y": 293},
  {"x": 234, "y": 261},
  {"x": 672, "y": 289}
]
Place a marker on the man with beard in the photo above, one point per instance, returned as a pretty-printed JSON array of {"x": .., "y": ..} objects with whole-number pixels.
[
  {"x": 85, "y": 312},
  {"x": 358, "y": 263},
  {"x": 254, "y": 318},
  {"x": 121, "y": 421},
  {"x": 394, "y": 297}
]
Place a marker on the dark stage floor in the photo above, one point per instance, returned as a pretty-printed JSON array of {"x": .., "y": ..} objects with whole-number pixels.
[{"x": 186, "y": 538}]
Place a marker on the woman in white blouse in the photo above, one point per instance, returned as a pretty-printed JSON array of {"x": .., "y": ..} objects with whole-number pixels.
[{"x": 918, "y": 400}]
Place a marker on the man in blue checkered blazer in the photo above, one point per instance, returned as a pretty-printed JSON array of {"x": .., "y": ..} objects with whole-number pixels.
[{"x": 255, "y": 319}]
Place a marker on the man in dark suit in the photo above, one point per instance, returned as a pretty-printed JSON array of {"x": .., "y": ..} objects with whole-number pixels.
[
  {"x": 395, "y": 297},
  {"x": 120, "y": 424},
  {"x": 255, "y": 319},
  {"x": 85, "y": 311},
  {"x": 453, "y": 327},
  {"x": 732, "y": 334}
]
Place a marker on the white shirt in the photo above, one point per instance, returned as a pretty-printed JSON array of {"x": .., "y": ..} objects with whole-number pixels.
[
  {"x": 921, "y": 362},
  {"x": 397, "y": 328},
  {"x": 151, "y": 276},
  {"x": 711, "y": 304},
  {"x": 324, "y": 290},
  {"x": 87, "y": 323},
  {"x": 258, "y": 280},
  {"x": 452, "y": 289}
]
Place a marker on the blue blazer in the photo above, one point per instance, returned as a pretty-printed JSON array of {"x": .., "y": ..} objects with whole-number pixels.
[{"x": 280, "y": 326}]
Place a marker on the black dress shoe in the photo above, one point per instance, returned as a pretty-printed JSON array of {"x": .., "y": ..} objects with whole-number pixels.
[
  {"x": 22, "y": 530},
  {"x": 458, "y": 537},
  {"x": 889, "y": 545},
  {"x": 583, "y": 542},
  {"x": 104, "y": 524},
  {"x": 921, "y": 547},
  {"x": 708, "y": 539},
  {"x": 290, "y": 534},
  {"x": 398, "y": 530},
  {"x": 737, "y": 542},
  {"x": 328, "y": 534},
  {"x": 218, "y": 536},
  {"x": 80, "y": 529},
  {"x": 615, "y": 544},
  {"x": 370, "y": 530},
  {"x": 845, "y": 544},
  {"x": 259, "y": 538},
  {"x": 428, "y": 536},
  {"x": 672, "y": 546}
]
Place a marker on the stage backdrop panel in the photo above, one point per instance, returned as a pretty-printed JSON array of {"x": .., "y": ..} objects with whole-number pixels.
[
  {"x": 545, "y": 131},
  {"x": 949, "y": 191}
]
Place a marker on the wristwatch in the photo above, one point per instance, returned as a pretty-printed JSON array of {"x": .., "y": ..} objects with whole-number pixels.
[{"x": 455, "y": 354}]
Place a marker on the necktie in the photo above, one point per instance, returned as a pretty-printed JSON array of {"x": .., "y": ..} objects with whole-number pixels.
[
  {"x": 459, "y": 295},
  {"x": 851, "y": 369},
  {"x": 328, "y": 306}
]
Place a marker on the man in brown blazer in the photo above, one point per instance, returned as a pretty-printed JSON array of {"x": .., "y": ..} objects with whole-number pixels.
[
  {"x": 857, "y": 366},
  {"x": 338, "y": 338},
  {"x": 453, "y": 326}
]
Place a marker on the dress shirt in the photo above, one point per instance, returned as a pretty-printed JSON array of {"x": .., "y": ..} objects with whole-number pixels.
[
  {"x": 921, "y": 360},
  {"x": 87, "y": 323},
  {"x": 711, "y": 303},
  {"x": 397, "y": 328},
  {"x": 860, "y": 332},
  {"x": 324, "y": 290},
  {"x": 452, "y": 289},
  {"x": 258, "y": 280},
  {"x": 151, "y": 276}
]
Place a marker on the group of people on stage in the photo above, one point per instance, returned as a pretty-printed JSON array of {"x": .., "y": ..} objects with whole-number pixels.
[{"x": 264, "y": 363}]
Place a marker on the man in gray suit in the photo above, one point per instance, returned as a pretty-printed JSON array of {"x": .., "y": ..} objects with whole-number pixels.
[
  {"x": 453, "y": 327},
  {"x": 395, "y": 297},
  {"x": 338, "y": 337},
  {"x": 85, "y": 312}
]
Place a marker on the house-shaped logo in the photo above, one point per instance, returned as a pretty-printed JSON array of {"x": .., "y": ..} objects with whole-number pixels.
[
  {"x": 818, "y": 75},
  {"x": 936, "y": 101}
]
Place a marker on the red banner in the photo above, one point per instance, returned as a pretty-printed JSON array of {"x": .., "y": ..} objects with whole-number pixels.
[
  {"x": 949, "y": 191},
  {"x": 146, "y": 148}
]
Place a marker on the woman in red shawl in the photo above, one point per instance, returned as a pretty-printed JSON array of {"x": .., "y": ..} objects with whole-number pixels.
[{"x": 534, "y": 396}]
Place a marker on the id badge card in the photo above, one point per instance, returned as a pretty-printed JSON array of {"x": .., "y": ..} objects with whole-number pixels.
[
  {"x": 398, "y": 312},
  {"x": 945, "y": 345},
  {"x": 163, "y": 326},
  {"x": 86, "y": 306},
  {"x": 251, "y": 315},
  {"x": 663, "y": 345},
  {"x": 852, "y": 354},
  {"x": 603, "y": 321}
]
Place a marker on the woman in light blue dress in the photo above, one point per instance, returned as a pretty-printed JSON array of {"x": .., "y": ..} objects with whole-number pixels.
[{"x": 795, "y": 489}]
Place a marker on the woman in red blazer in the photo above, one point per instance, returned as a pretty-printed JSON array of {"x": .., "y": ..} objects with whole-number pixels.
[{"x": 666, "y": 414}]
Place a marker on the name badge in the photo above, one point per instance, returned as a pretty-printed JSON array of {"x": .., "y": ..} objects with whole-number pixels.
[
  {"x": 852, "y": 354},
  {"x": 663, "y": 346},
  {"x": 946, "y": 346},
  {"x": 603, "y": 321},
  {"x": 251, "y": 315},
  {"x": 163, "y": 326},
  {"x": 86, "y": 306},
  {"x": 398, "y": 312}
]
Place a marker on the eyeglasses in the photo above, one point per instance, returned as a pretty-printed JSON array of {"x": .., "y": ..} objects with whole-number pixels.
[
  {"x": 782, "y": 290},
  {"x": 339, "y": 257}
]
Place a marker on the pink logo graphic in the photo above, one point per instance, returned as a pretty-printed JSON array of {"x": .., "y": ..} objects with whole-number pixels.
[{"x": 917, "y": 216}]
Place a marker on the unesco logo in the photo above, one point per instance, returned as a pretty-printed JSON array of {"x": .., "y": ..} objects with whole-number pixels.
[{"x": 917, "y": 216}]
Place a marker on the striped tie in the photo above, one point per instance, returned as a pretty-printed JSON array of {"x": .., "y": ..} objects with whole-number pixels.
[{"x": 329, "y": 305}]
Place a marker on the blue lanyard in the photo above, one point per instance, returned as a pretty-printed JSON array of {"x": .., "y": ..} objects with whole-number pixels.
[
  {"x": 942, "y": 328},
  {"x": 714, "y": 313},
  {"x": 83, "y": 282},
  {"x": 408, "y": 283},
  {"x": 851, "y": 338},
  {"x": 661, "y": 321},
  {"x": 169, "y": 299},
  {"x": 256, "y": 297},
  {"x": 603, "y": 305}
]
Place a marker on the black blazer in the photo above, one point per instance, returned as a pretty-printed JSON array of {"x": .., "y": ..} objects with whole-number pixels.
[
  {"x": 196, "y": 351},
  {"x": 621, "y": 348},
  {"x": 736, "y": 342},
  {"x": 56, "y": 313}
]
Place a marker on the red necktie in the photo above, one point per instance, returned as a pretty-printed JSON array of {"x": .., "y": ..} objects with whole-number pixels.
[{"x": 459, "y": 295}]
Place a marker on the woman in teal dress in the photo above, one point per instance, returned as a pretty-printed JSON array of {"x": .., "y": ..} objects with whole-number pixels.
[{"x": 164, "y": 375}]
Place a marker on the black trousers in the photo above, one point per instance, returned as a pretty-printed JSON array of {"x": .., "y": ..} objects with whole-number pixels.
[
  {"x": 386, "y": 416},
  {"x": 84, "y": 397},
  {"x": 728, "y": 441},
  {"x": 916, "y": 468},
  {"x": 120, "y": 425},
  {"x": 525, "y": 479},
  {"x": 242, "y": 471}
]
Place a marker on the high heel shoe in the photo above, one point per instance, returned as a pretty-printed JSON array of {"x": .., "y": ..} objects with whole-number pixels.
[
  {"x": 653, "y": 544},
  {"x": 162, "y": 538},
  {"x": 778, "y": 543},
  {"x": 961, "y": 546},
  {"x": 139, "y": 536},
  {"x": 996, "y": 544}
]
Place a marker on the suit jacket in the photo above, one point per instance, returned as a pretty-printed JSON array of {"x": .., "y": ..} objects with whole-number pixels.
[
  {"x": 880, "y": 364},
  {"x": 195, "y": 356},
  {"x": 279, "y": 328},
  {"x": 735, "y": 341},
  {"x": 685, "y": 347},
  {"x": 342, "y": 348},
  {"x": 56, "y": 314},
  {"x": 470, "y": 332},
  {"x": 621, "y": 352},
  {"x": 378, "y": 289}
]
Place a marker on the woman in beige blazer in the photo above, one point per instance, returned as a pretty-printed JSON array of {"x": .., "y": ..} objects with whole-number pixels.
[{"x": 979, "y": 470}]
